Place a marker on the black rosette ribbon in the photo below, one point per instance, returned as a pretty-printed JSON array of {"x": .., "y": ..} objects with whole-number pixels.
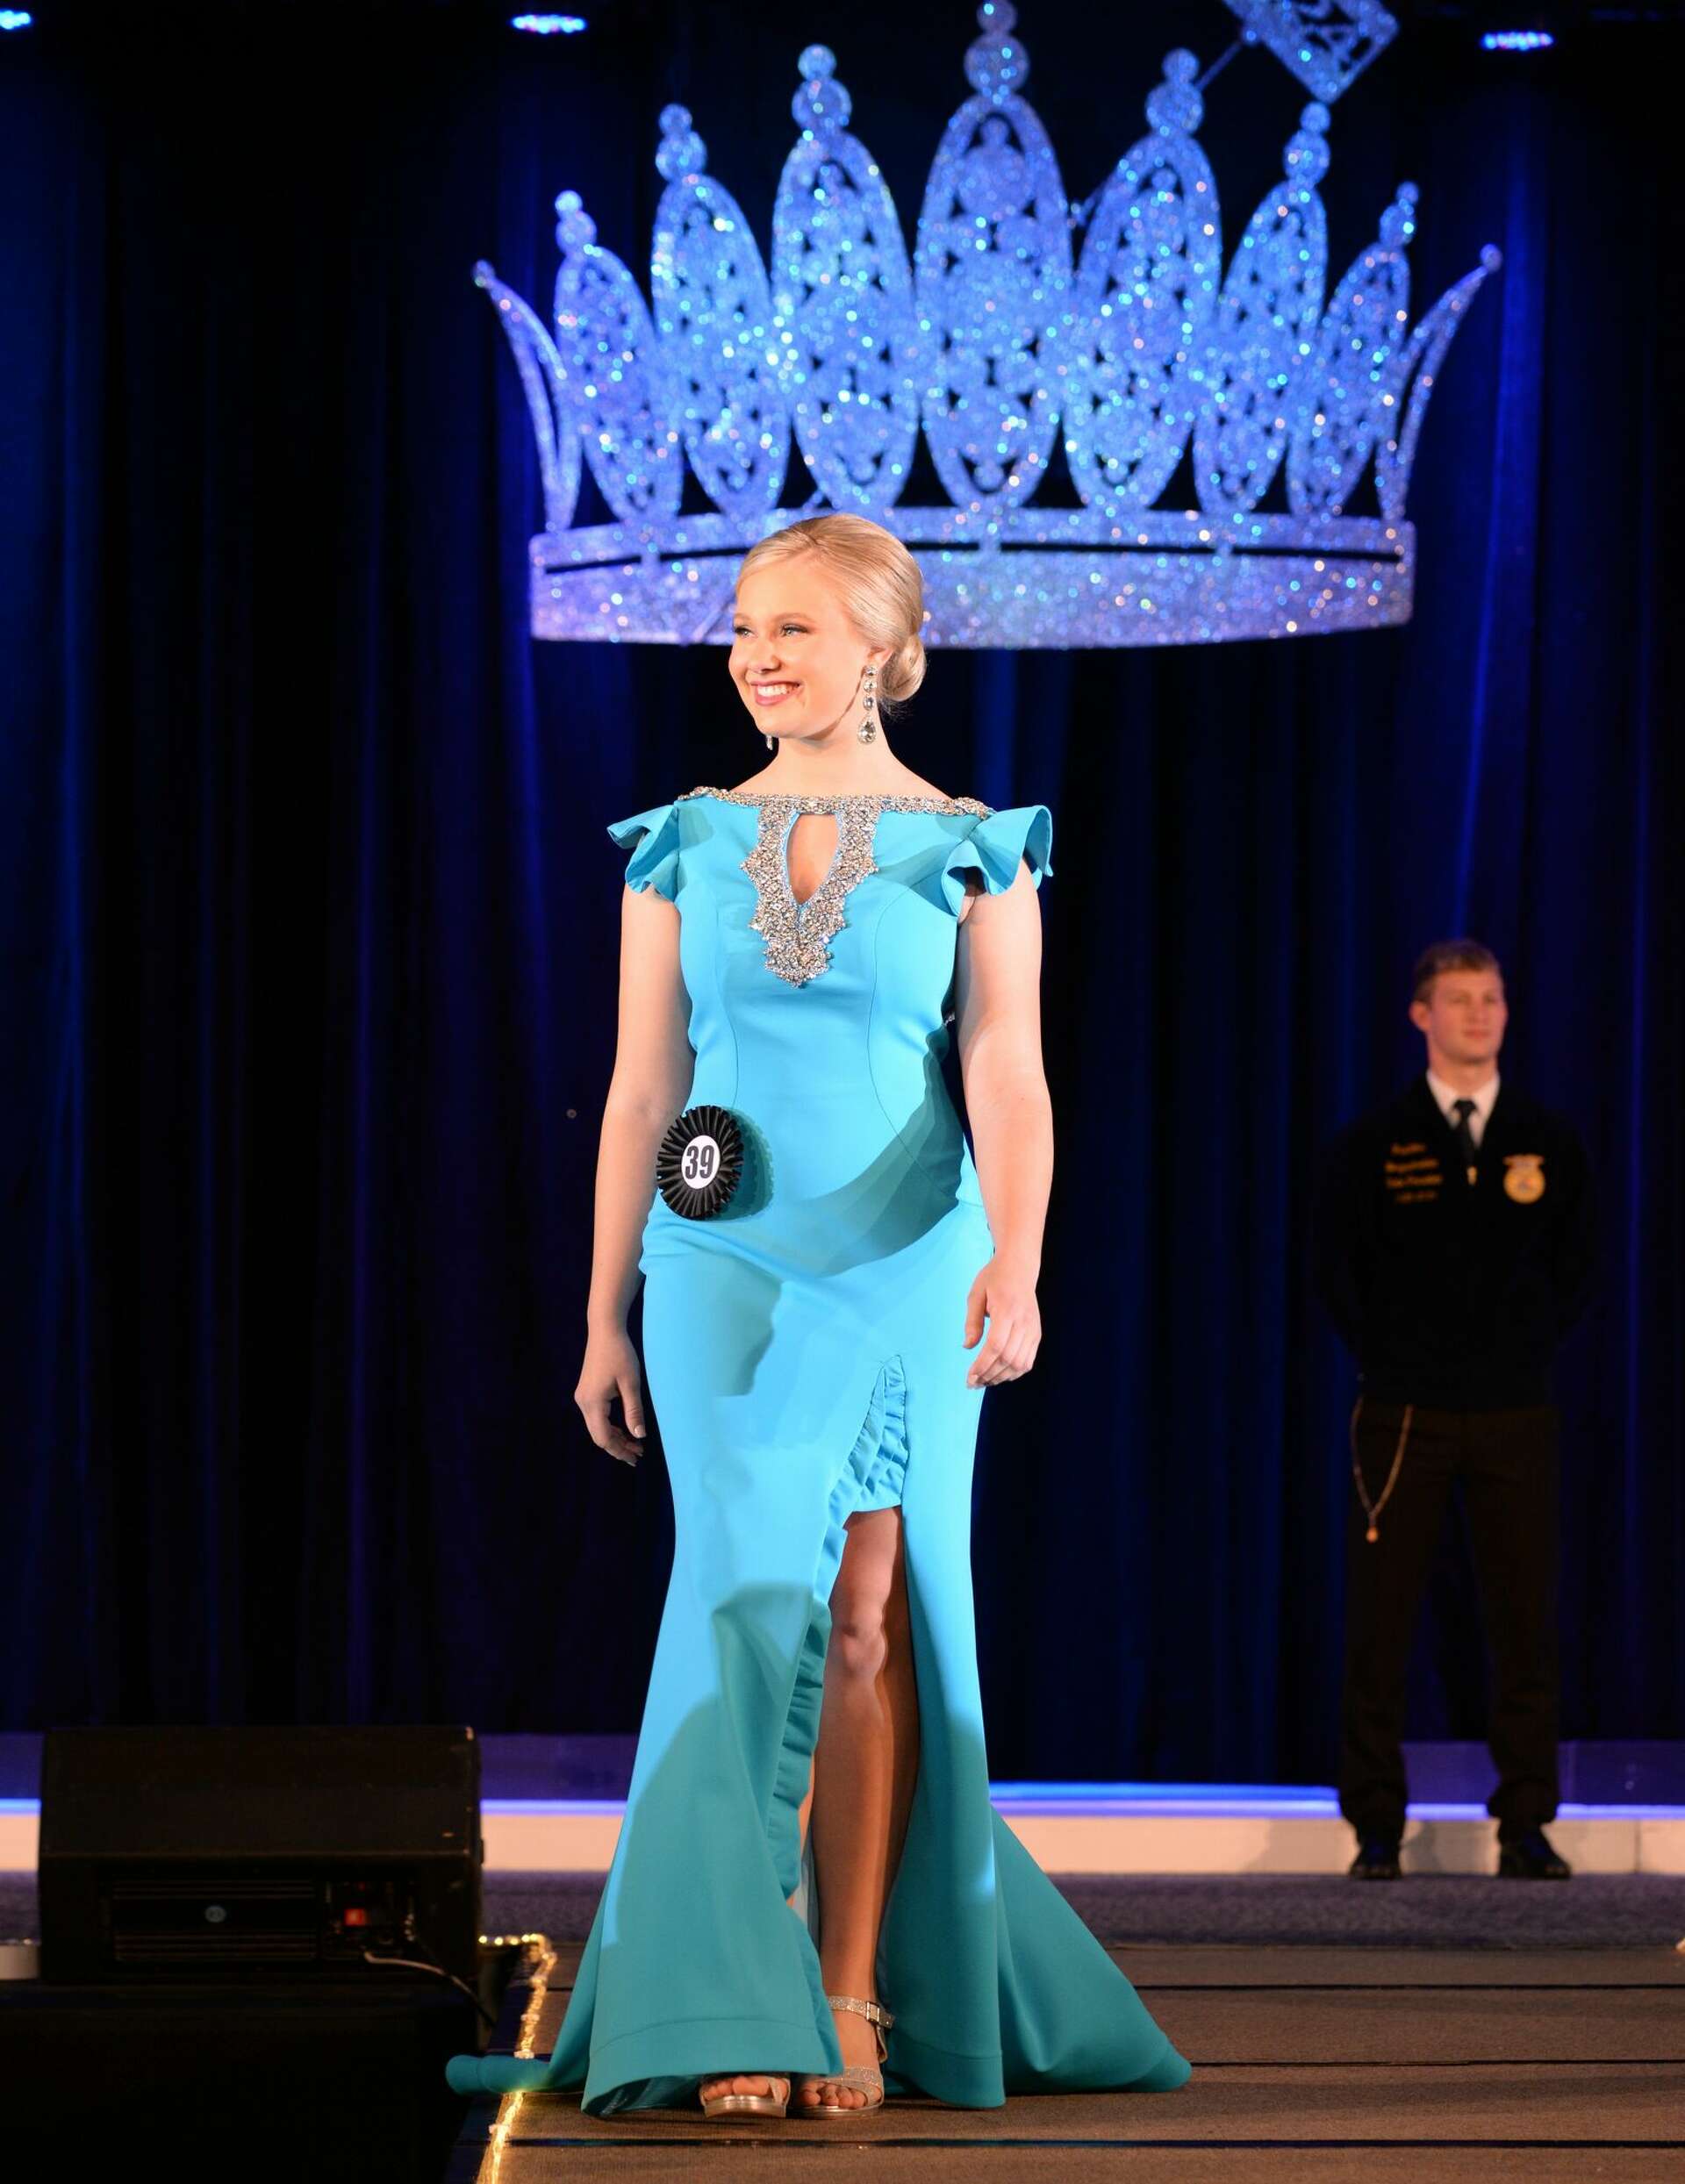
[{"x": 700, "y": 1162}]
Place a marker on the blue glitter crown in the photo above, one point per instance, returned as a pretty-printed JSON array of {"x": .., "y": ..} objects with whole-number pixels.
[{"x": 998, "y": 339}]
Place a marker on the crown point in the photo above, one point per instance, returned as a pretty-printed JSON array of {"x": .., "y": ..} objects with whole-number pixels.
[
  {"x": 996, "y": 63},
  {"x": 1398, "y": 221},
  {"x": 1176, "y": 104},
  {"x": 1308, "y": 152},
  {"x": 575, "y": 229},
  {"x": 822, "y": 104},
  {"x": 682, "y": 152}
]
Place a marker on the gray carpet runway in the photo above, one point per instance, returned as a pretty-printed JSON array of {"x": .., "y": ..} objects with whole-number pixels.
[{"x": 1426, "y": 1911}]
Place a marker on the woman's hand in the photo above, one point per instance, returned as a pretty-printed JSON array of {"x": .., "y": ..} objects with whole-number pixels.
[
  {"x": 1006, "y": 1293},
  {"x": 611, "y": 1369}
]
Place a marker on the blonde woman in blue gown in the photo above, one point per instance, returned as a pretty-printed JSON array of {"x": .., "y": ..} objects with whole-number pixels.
[{"x": 811, "y": 1894}]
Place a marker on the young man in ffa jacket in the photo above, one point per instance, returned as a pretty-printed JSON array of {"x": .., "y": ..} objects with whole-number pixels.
[{"x": 1452, "y": 1245}]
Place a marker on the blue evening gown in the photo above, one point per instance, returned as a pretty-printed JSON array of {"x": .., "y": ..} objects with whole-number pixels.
[{"x": 804, "y": 1360}]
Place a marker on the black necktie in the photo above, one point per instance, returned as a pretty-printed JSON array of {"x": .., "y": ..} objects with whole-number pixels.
[{"x": 1462, "y": 1109}]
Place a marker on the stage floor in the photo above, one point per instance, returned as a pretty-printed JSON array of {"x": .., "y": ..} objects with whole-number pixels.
[
  {"x": 1314, "y": 2064},
  {"x": 1299, "y": 1910}
]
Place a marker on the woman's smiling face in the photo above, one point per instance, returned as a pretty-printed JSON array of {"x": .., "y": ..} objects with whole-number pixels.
[{"x": 796, "y": 659}]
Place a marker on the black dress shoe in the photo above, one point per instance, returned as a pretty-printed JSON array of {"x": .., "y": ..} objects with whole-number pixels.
[
  {"x": 1528, "y": 1857},
  {"x": 1377, "y": 1858}
]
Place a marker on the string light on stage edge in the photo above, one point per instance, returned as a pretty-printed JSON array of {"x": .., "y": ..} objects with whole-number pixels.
[{"x": 540, "y": 1963}]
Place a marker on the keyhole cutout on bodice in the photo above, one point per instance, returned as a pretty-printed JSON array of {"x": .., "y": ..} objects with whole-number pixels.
[{"x": 810, "y": 851}]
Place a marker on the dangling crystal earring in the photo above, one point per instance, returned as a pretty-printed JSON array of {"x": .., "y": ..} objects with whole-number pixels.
[
  {"x": 868, "y": 728},
  {"x": 769, "y": 742}
]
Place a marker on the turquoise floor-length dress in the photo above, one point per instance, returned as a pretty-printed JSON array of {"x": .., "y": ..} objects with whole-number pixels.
[{"x": 805, "y": 1358}]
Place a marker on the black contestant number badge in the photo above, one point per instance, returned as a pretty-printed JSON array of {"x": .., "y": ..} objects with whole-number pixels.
[{"x": 700, "y": 1162}]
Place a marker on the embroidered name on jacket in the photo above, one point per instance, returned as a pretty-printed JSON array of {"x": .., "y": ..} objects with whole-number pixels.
[{"x": 1412, "y": 1174}]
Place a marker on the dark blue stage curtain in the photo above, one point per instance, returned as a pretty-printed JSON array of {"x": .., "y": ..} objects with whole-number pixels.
[{"x": 309, "y": 921}]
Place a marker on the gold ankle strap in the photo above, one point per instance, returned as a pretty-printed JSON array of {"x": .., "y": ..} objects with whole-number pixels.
[{"x": 876, "y": 2011}]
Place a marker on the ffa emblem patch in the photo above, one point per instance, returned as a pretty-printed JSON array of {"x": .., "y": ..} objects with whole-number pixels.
[{"x": 1524, "y": 1176}]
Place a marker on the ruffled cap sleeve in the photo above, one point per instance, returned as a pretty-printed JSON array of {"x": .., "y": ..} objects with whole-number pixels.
[
  {"x": 993, "y": 848},
  {"x": 653, "y": 838}
]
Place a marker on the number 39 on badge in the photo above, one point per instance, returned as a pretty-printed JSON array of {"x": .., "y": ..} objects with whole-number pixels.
[{"x": 1524, "y": 1176}]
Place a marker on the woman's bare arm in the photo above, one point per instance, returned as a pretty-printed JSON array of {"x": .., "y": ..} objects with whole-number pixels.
[
  {"x": 996, "y": 1008},
  {"x": 654, "y": 1066}
]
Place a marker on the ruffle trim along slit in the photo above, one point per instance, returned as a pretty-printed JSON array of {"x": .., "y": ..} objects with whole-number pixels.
[{"x": 873, "y": 1477}]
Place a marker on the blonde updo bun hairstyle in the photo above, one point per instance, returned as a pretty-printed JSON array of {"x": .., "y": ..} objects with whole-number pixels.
[{"x": 881, "y": 586}]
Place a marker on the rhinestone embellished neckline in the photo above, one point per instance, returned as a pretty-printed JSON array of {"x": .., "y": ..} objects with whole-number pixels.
[
  {"x": 796, "y": 932},
  {"x": 888, "y": 799}
]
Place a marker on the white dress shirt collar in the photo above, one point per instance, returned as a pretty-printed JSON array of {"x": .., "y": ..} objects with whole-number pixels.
[{"x": 1445, "y": 1097}]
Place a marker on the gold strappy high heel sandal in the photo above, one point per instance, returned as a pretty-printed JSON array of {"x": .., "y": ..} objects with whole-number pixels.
[
  {"x": 746, "y": 2103},
  {"x": 853, "y": 2074}
]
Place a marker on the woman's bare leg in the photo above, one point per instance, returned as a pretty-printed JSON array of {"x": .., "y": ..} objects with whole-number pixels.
[
  {"x": 861, "y": 1781},
  {"x": 864, "y": 1769}
]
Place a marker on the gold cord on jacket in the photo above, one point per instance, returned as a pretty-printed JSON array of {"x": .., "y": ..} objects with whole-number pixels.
[{"x": 1373, "y": 1510}]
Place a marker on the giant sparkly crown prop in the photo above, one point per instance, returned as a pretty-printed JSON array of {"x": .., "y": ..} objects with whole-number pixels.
[{"x": 996, "y": 341}]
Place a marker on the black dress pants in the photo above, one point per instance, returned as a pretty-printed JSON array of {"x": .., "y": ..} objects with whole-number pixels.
[{"x": 1506, "y": 1464}]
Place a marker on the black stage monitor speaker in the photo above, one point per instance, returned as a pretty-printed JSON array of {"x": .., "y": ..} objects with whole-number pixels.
[{"x": 249, "y": 1854}]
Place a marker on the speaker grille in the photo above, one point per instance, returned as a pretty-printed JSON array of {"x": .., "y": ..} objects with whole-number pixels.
[
  {"x": 214, "y": 1918},
  {"x": 248, "y": 1947}
]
